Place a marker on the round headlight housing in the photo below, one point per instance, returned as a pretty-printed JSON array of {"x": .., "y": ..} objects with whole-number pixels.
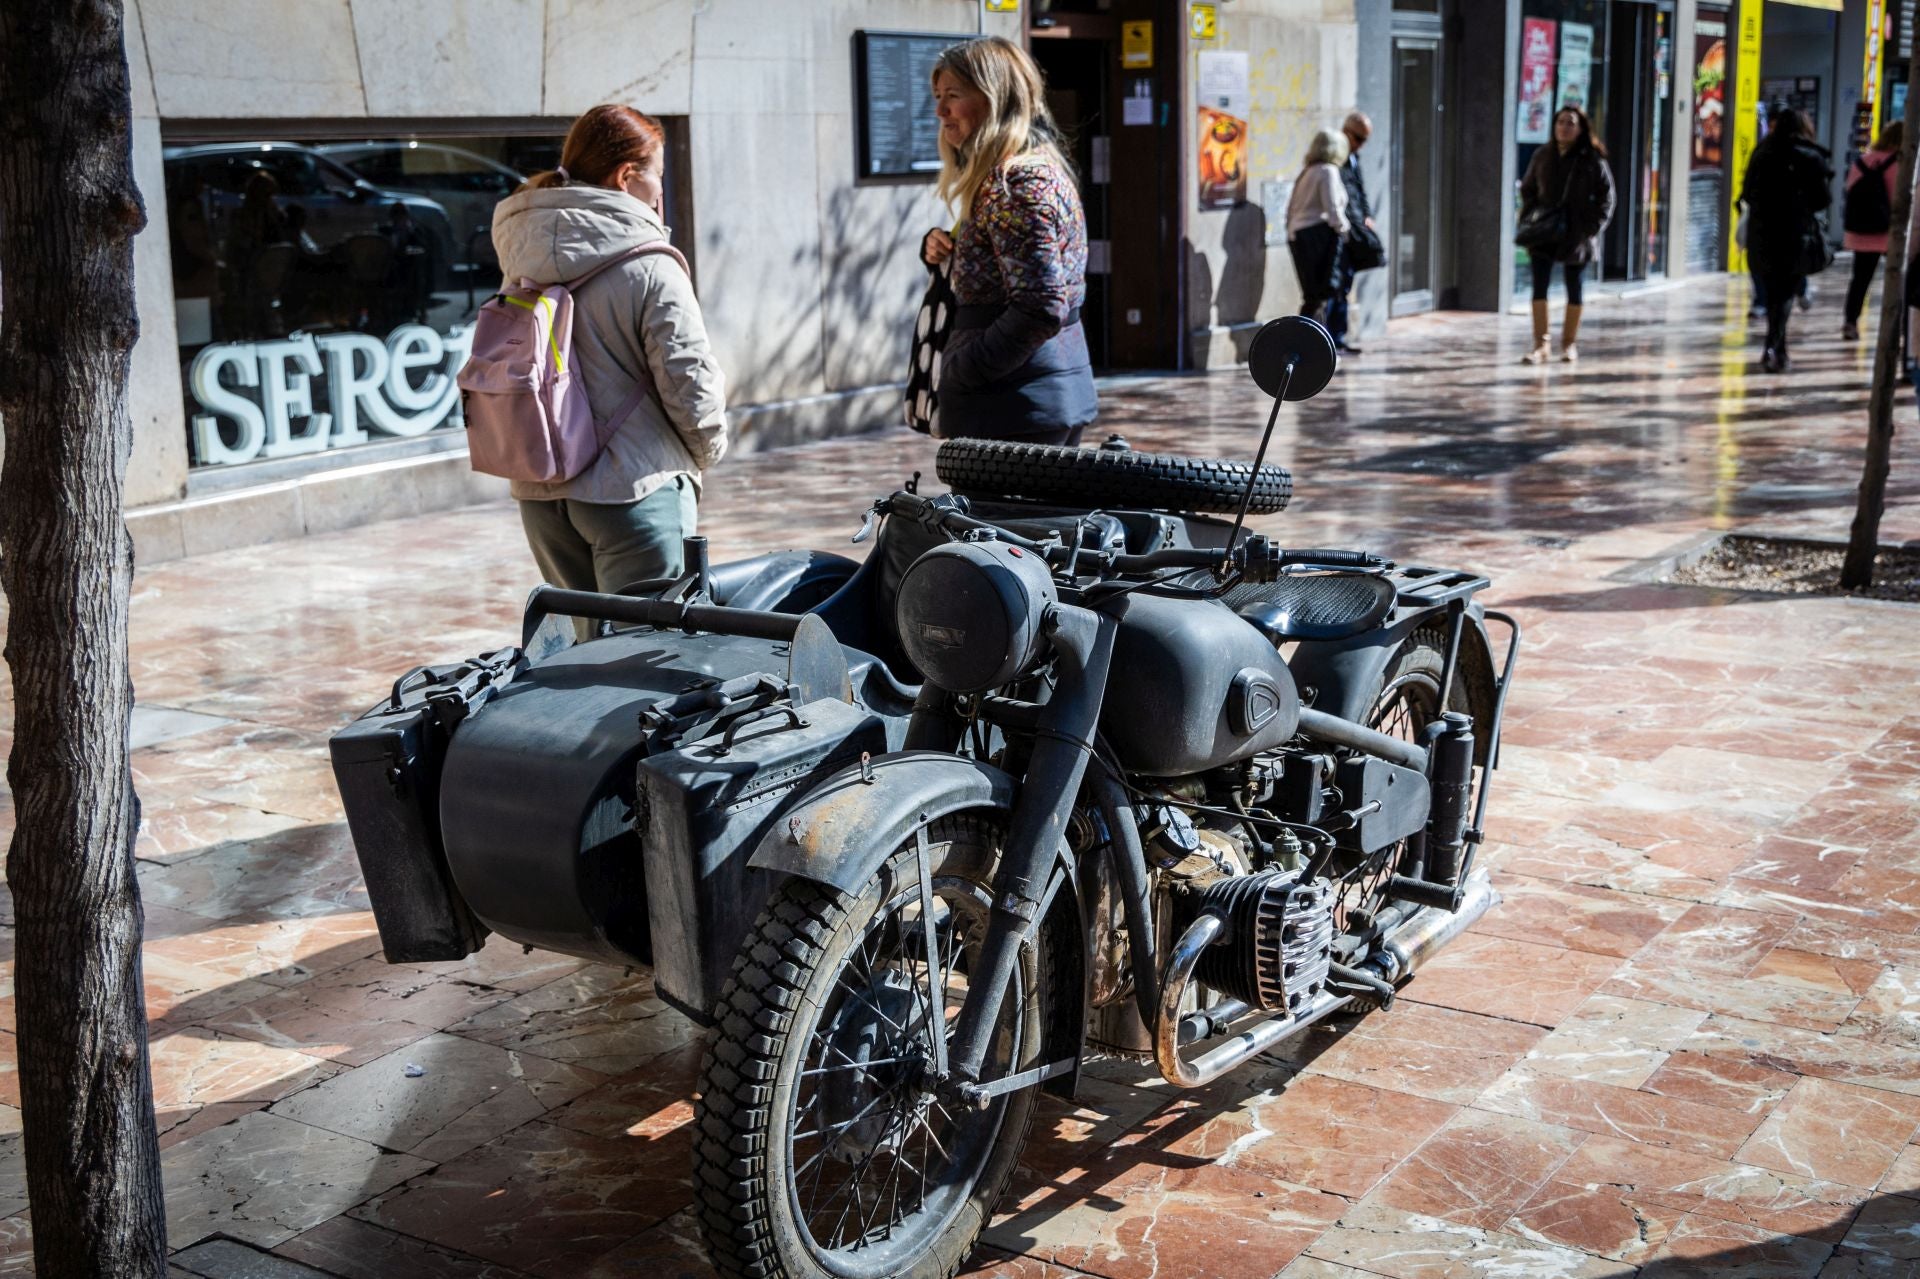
[{"x": 971, "y": 615}]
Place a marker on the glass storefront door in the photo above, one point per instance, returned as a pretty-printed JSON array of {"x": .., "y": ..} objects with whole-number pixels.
[{"x": 1418, "y": 141}]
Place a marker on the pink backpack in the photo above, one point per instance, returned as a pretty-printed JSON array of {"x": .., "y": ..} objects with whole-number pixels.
[{"x": 526, "y": 419}]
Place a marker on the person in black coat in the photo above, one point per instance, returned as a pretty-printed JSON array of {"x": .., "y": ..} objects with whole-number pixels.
[
  {"x": 1358, "y": 129},
  {"x": 1569, "y": 173},
  {"x": 1789, "y": 183}
]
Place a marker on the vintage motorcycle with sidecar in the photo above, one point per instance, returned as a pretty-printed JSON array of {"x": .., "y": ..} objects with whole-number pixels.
[{"x": 1067, "y": 766}]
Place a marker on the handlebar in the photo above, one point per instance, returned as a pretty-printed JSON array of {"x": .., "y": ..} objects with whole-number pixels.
[{"x": 1255, "y": 559}]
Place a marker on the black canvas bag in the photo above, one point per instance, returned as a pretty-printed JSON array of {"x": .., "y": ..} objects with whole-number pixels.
[{"x": 932, "y": 326}]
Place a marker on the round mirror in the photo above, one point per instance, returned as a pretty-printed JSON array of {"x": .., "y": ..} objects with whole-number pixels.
[{"x": 1297, "y": 341}]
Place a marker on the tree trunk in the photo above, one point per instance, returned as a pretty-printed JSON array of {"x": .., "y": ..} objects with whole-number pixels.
[
  {"x": 1864, "y": 541},
  {"x": 68, "y": 214}
]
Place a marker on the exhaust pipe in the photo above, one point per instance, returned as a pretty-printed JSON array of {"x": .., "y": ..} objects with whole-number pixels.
[
  {"x": 1405, "y": 949},
  {"x": 1415, "y": 942}
]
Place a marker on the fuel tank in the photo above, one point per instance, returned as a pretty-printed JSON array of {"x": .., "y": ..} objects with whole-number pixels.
[{"x": 1193, "y": 687}]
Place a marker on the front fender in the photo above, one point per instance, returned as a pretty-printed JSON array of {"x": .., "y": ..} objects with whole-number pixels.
[{"x": 849, "y": 825}]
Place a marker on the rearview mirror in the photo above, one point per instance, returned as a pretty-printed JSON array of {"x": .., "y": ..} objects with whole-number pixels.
[{"x": 1292, "y": 358}]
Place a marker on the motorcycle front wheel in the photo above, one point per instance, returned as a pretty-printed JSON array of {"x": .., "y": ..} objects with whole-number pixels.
[{"x": 822, "y": 1150}]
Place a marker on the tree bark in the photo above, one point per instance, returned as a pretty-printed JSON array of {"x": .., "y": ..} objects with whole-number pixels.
[
  {"x": 1864, "y": 541},
  {"x": 68, "y": 214}
]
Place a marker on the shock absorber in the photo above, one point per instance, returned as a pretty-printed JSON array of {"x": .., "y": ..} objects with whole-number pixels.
[{"x": 1452, "y": 783}]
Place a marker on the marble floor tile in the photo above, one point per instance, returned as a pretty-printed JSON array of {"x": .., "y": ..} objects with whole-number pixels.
[
  {"x": 1512, "y": 979},
  {"x": 1396, "y": 1244},
  {"x": 1889, "y": 1010},
  {"x": 1706, "y": 991},
  {"x": 1315, "y": 1131},
  {"x": 1718, "y": 1081},
  {"x": 1715, "y": 939},
  {"x": 264, "y": 1179},
  {"x": 1209, "y": 1221},
  {"x": 1789, "y": 967},
  {"x": 194, "y": 1067},
  {"x": 1849, "y": 1058},
  {"x": 358, "y": 1012},
  {"x": 1577, "y": 917},
  {"x": 505, "y": 965},
  {"x": 1612, "y": 1040},
  {"x": 231, "y": 1259},
  {"x": 1595, "y": 1217},
  {"x": 1478, "y": 1169},
  {"x": 1709, "y": 1248},
  {"x": 1602, "y": 1108},
  {"x": 279, "y": 952},
  {"x": 1887, "y": 1228},
  {"x": 1431, "y": 1052},
  {"x": 355, "y": 1249},
  {"x": 675, "y": 1249},
  {"x": 1904, "y": 1177},
  {"x": 1673, "y": 1179},
  {"x": 310, "y": 870},
  {"x": 1834, "y": 1131},
  {"x": 546, "y": 1200},
  {"x": 469, "y": 1093},
  {"x": 598, "y": 1018}
]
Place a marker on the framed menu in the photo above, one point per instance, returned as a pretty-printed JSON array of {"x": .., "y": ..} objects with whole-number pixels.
[{"x": 899, "y": 134}]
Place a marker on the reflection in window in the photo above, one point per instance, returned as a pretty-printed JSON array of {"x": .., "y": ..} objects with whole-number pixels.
[{"x": 324, "y": 292}]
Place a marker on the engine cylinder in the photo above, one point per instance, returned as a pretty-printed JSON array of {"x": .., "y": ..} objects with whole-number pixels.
[{"x": 1278, "y": 944}]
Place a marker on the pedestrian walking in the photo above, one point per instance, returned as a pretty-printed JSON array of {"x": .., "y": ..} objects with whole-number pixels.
[
  {"x": 1317, "y": 222},
  {"x": 1867, "y": 217},
  {"x": 1786, "y": 189},
  {"x": 1015, "y": 365},
  {"x": 1566, "y": 201},
  {"x": 1361, "y": 250},
  {"x": 639, "y": 345}
]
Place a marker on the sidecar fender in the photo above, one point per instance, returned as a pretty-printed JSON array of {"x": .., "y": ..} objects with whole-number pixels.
[
  {"x": 1340, "y": 676},
  {"x": 843, "y": 831}
]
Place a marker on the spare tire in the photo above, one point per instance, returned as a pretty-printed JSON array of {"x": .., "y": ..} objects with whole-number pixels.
[{"x": 1108, "y": 477}]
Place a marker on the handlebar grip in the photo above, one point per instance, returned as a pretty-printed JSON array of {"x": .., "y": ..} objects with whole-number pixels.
[{"x": 1334, "y": 559}]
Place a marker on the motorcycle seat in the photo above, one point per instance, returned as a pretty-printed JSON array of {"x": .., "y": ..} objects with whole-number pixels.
[{"x": 1317, "y": 606}]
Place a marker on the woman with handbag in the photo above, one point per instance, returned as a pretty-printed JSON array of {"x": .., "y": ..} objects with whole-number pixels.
[
  {"x": 1566, "y": 201},
  {"x": 1008, "y": 359},
  {"x": 1788, "y": 186},
  {"x": 1317, "y": 222}
]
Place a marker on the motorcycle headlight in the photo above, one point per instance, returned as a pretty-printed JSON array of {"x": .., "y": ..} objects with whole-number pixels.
[{"x": 970, "y": 614}]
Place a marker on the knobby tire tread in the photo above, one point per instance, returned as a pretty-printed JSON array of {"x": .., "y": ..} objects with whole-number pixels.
[{"x": 1108, "y": 477}]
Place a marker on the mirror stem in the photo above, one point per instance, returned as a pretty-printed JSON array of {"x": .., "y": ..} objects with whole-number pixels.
[{"x": 1246, "y": 498}]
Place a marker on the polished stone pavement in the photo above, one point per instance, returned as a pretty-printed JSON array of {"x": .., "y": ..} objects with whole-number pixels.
[{"x": 1688, "y": 1042}]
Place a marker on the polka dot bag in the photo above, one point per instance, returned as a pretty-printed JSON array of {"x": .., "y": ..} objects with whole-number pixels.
[{"x": 931, "y": 325}]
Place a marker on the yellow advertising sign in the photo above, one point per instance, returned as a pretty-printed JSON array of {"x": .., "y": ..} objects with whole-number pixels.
[
  {"x": 1204, "y": 20},
  {"x": 1002, "y": 6},
  {"x": 1834, "y": 6},
  {"x": 1870, "y": 70},
  {"x": 1136, "y": 45},
  {"x": 1746, "y": 112}
]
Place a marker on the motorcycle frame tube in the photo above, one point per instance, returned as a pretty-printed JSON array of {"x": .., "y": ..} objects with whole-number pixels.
[
  {"x": 1082, "y": 643},
  {"x": 1130, "y": 868},
  {"x": 1344, "y": 732}
]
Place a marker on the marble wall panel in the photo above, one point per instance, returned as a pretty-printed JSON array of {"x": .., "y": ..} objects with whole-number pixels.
[
  {"x": 639, "y": 52},
  {"x": 157, "y": 466},
  {"x": 450, "y": 57},
  {"x": 241, "y": 58}
]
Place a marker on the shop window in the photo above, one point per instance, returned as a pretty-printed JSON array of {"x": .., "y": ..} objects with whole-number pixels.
[{"x": 325, "y": 290}]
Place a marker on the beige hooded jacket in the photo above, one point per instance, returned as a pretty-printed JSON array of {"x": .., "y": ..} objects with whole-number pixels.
[{"x": 641, "y": 314}]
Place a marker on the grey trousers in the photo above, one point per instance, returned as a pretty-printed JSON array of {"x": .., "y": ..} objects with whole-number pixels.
[{"x": 601, "y": 546}]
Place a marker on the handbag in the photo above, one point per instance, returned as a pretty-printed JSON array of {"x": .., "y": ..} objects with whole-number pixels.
[
  {"x": 932, "y": 326},
  {"x": 1816, "y": 255},
  {"x": 1364, "y": 250},
  {"x": 1544, "y": 228}
]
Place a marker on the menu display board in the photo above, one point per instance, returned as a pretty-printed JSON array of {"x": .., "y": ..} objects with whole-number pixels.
[{"x": 899, "y": 134}]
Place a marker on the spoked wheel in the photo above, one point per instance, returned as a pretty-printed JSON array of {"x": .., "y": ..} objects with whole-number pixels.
[
  {"x": 1407, "y": 700},
  {"x": 823, "y": 1149}
]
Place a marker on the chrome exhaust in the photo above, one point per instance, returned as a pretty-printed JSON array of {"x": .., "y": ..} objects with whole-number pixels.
[
  {"x": 1414, "y": 942},
  {"x": 1405, "y": 949}
]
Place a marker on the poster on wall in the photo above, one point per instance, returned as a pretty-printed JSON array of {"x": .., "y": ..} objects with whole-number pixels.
[
  {"x": 1709, "y": 92},
  {"x": 1225, "y": 102},
  {"x": 1535, "y": 123},
  {"x": 1576, "y": 65}
]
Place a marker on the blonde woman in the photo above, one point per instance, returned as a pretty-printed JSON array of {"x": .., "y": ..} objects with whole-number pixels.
[
  {"x": 1016, "y": 365},
  {"x": 1317, "y": 221}
]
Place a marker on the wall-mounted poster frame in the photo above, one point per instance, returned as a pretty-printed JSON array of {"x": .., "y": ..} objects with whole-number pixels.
[{"x": 899, "y": 136}]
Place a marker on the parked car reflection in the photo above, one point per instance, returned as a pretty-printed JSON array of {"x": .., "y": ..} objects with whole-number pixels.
[{"x": 466, "y": 185}]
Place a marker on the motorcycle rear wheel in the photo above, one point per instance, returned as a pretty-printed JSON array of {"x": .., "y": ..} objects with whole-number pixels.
[{"x": 820, "y": 1150}]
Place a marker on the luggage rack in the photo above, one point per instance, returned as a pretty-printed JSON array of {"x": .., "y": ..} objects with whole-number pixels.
[{"x": 1423, "y": 586}]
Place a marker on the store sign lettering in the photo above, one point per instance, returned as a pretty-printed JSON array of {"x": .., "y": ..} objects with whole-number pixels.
[{"x": 369, "y": 387}]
